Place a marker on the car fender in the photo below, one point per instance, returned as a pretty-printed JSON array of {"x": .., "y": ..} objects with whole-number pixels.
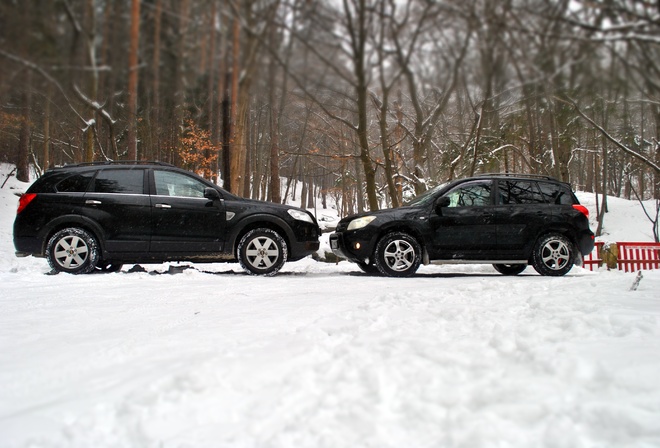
[{"x": 413, "y": 228}]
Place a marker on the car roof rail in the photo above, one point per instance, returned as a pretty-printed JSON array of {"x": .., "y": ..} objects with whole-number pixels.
[
  {"x": 118, "y": 162},
  {"x": 526, "y": 176}
]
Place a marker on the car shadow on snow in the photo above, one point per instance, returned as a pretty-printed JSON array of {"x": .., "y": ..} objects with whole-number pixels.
[
  {"x": 179, "y": 269},
  {"x": 434, "y": 275}
]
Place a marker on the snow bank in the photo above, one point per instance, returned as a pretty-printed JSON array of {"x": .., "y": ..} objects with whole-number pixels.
[{"x": 624, "y": 221}]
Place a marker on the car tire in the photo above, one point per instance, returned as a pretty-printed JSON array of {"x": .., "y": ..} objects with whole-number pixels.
[
  {"x": 262, "y": 252},
  {"x": 107, "y": 267},
  {"x": 72, "y": 250},
  {"x": 398, "y": 255},
  {"x": 510, "y": 269},
  {"x": 553, "y": 255},
  {"x": 368, "y": 268}
]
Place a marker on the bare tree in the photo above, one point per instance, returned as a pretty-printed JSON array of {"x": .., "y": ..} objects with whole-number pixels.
[{"x": 133, "y": 79}]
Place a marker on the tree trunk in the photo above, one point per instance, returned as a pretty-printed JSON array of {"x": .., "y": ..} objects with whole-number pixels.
[
  {"x": 178, "y": 94},
  {"x": 246, "y": 154},
  {"x": 275, "y": 185},
  {"x": 133, "y": 80},
  {"x": 45, "y": 158},
  {"x": 235, "y": 173},
  {"x": 210, "y": 99},
  {"x": 23, "y": 155},
  {"x": 387, "y": 151},
  {"x": 358, "y": 36},
  {"x": 155, "y": 113},
  {"x": 363, "y": 140}
]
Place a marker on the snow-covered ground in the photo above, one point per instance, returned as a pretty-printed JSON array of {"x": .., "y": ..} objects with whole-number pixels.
[{"x": 324, "y": 356}]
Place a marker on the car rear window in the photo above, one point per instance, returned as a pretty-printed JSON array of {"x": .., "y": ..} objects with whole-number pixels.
[
  {"x": 520, "y": 192},
  {"x": 77, "y": 183},
  {"x": 557, "y": 193},
  {"x": 120, "y": 181}
]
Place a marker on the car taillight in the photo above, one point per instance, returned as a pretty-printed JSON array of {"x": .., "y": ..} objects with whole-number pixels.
[
  {"x": 582, "y": 209},
  {"x": 24, "y": 200}
]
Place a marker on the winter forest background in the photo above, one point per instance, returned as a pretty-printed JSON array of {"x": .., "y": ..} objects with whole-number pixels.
[{"x": 363, "y": 101}]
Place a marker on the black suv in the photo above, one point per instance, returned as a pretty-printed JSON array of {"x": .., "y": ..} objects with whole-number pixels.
[
  {"x": 504, "y": 219},
  {"x": 90, "y": 217}
]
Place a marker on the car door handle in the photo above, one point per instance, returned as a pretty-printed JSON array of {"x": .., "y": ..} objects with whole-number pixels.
[
  {"x": 163, "y": 206},
  {"x": 92, "y": 202}
]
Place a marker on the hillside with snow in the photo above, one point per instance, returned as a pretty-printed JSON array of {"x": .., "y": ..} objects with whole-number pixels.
[
  {"x": 624, "y": 221},
  {"x": 322, "y": 355}
]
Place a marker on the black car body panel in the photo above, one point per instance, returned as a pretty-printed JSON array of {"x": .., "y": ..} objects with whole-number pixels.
[
  {"x": 141, "y": 213},
  {"x": 489, "y": 219}
]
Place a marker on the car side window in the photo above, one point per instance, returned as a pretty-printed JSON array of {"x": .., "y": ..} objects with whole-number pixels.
[
  {"x": 471, "y": 195},
  {"x": 520, "y": 192},
  {"x": 120, "y": 181},
  {"x": 77, "y": 183},
  {"x": 556, "y": 193},
  {"x": 175, "y": 184}
]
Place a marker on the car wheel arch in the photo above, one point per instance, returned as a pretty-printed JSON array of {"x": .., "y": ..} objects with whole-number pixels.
[
  {"x": 398, "y": 227},
  {"x": 65, "y": 221},
  {"x": 254, "y": 222},
  {"x": 562, "y": 230}
]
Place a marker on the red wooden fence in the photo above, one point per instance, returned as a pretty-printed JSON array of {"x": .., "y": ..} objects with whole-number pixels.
[{"x": 631, "y": 257}]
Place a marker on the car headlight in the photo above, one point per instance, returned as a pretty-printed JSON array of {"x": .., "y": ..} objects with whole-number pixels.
[
  {"x": 300, "y": 215},
  {"x": 358, "y": 223}
]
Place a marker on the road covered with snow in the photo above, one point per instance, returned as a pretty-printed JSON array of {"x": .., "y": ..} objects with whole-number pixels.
[{"x": 323, "y": 355}]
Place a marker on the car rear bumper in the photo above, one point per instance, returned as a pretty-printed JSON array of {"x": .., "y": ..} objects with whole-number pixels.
[
  {"x": 26, "y": 246},
  {"x": 586, "y": 241}
]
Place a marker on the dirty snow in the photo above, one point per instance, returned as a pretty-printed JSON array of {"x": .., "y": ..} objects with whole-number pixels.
[{"x": 325, "y": 356}]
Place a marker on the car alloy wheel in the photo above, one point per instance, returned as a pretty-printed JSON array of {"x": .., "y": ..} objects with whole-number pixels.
[
  {"x": 398, "y": 255},
  {"x": 553, "y": 255},
  {"x": 262, "y": 252},
  {"x": 72, "y": 250}
]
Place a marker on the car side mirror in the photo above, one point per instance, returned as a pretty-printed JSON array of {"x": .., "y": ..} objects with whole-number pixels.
[
  {"x": 442, "y": 203},
  {"x": 211, "y": 194}
]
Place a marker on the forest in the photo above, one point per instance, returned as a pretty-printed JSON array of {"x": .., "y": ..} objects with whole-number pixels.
[{"x": 367, "y": 102}]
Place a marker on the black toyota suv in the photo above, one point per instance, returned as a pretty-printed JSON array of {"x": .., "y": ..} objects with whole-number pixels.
[
  {"x": 98, "y": 216},
  {"x": 506, "y": 220}
]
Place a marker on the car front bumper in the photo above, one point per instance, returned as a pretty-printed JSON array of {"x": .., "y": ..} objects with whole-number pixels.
[
  {"x": 352, "y": 246},
  {"x": 301, "y": 249}
]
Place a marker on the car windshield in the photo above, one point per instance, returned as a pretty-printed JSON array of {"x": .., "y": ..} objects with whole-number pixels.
[{"x": 427, "y": 196}]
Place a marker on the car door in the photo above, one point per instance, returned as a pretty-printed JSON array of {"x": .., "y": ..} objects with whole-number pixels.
[
  {"x": 184, "y": 220},
  {"x": 462, "y": 222},
  {"x": 521, "y": 213},
  {"x": 118, "y": 203}
]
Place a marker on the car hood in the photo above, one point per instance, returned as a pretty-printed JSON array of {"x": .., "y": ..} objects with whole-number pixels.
[{"x": 384, "y": 213}]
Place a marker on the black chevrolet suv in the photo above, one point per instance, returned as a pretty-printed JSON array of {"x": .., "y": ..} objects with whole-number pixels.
[
  {"x": 506, "y": 220},
  {"x": 95, "y": 216}
]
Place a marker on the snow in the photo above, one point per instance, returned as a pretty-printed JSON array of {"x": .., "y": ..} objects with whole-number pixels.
[
  {"x": 625, "y": 220},
  {"x": 322, "y": 355}
]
